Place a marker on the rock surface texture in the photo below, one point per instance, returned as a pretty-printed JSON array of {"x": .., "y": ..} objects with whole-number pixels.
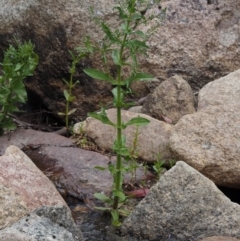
[
  {"x": 66, "y": 165},
  {"x": 31, "y": 187},
  {"x": 24, "y": 189},
  {"x": 152, "y": 140},
  {"x": 209, "y": 140},
  {"x": 223, "y": 91},
  {"x": 183, "y": 205},
  {"x": 219, "y": 238},
  {"x": 199, "y": 40},
  {"x": 35, "y": 228},
  {"x": 172, "y": 99}
]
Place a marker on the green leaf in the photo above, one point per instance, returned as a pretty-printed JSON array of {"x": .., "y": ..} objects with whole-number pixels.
[
  {"x": 140, "y": 33},
  {"x": 116, "y": 57},
  {"x": 109, "y": 33},
  {"x": 137, "y": 77},
  {"x": 117, "y": 102},
  {"x": 137, "y": 44},
  {"x": 9, "y": 125},
  {"x": 120, "y": 194},
  {"x": 71, "y": 111},
  {"x": 115, "y": 218},
  {"x": 138, "y": 121},
  {"x": 66, "y": 94},
  {"x": 97, "y": 74},
  {"x": 100, "y": 168},
  {"x": 61, "y": 113},
  {"x": 71, "y": 98},
  {"x": 103, "y": 118},
  {"x": 142, "y": 77},
  {"x": 124, "y": 212},
  {"x": 103, "y": 197},
  {"x": 103, "y": 209},
  {"x": 18, "y": 67},
  {"x": 65, "y": 82},
  {"x": 121, "y": 12}
]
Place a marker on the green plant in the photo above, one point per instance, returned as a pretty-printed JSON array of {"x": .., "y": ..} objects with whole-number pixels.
[
  {"x": 158, "y": 167},
  {"x": 131, "y": 159},
  {"x": 121, "y": 46},
  {"x": 18, "y": 63},
  {"x": 69, "y": 97}
]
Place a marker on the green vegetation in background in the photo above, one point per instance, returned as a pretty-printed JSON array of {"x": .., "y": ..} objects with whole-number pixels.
[{"x": 19, "y": 62}]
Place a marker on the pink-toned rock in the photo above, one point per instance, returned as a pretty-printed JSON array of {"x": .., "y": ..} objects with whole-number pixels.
[
  {"x": 23, "y": 187},
  {"x": 153, "y": 139}
]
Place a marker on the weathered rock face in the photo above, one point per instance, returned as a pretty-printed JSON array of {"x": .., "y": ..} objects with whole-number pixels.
[
  {"x": 32, "y": 189},
  {"x": 209, "y": 139},
  {"x": 183, "y": 205},
  {"x": 219, "y": 238},
  {"x": 153, "y": 139},
  {"x": 54, "y": 27},
  {"x": 199, "y": 41},
  {"x": 173, "y": 98},
  {"x": 24, "y": 189},
  {"x": 70, "y": 168},
  {"x": 223, "y": 91},
  {"x": 35, "y": 228}
]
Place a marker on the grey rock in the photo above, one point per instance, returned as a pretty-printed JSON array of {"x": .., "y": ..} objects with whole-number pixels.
[
  {"x": 36, "y": 228},
  {"x": 183, "y": 205},
  {"x": 173, "y": 98},
  {"x": 62, "y": 217}
]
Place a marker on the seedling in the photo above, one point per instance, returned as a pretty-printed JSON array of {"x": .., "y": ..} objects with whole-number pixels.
[
  {"x": 121, "y": 46},
  {"x": 158, "y": 167},
  {"x": 18, "y": 63},
  {"x": 82, "y": 52}
]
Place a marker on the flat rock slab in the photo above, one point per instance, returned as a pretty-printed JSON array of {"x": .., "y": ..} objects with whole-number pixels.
[
  {"x": 70, "y": 168},
  {"x": 183, "y": 205},
  {"x": 28, "y": 138}
]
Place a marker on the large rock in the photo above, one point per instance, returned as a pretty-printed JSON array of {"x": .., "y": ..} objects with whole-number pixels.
[
  {"x": 69, "y": 167},
  {"x": 198, "y": 41},
  {"x": 223, "y": 91},
  {"x": 219, "y": 238},
  {"x": 153, "y": 139},
  {"x": 35, "y": 228},
  {"x": 209, "y": 141},
  {"x": 173, "y": 99},
  {"x": 24, "y": 189},
  {"x": 32, "y": 189},
  {"x": 183, "y": 205}
]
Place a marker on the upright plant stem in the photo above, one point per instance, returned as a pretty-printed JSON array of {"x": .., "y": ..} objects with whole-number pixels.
[{"x": 118, "y": 175}]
